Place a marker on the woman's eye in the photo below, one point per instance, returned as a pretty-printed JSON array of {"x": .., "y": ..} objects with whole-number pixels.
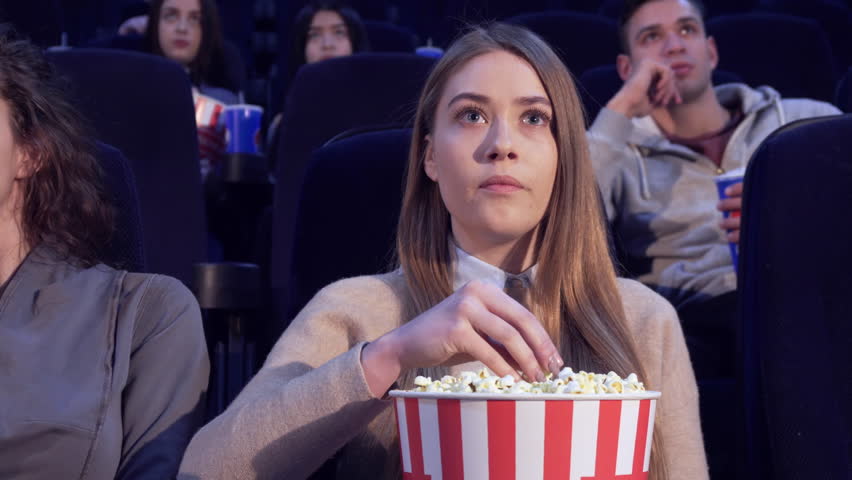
[
  {"x": 536, "y": 118},
  {"x": 340, "y": 33},
  {"x": 472, "y": 116}
]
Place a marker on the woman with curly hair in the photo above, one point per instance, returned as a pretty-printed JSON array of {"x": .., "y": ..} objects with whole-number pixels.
[{"x": 102, "y": 371}]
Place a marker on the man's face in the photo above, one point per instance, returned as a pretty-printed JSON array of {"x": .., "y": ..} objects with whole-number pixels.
[{"x": 671, "y": 32}]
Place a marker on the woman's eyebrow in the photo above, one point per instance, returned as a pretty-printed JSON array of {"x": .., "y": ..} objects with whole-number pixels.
[
  {"x": 532, "y": 100},
  {"x": 476, "y": 97},
  {"x": 479, "y": 98}
]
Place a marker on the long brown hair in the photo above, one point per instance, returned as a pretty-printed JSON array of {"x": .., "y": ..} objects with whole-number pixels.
[
  {"x": 575, "y": 294},
  {"x": 208, "y": 66},
  {"x": 64, "y": 203}
]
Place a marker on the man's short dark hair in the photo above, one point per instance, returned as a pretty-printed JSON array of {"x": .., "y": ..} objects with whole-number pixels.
[{"x": 629, "y": 9}]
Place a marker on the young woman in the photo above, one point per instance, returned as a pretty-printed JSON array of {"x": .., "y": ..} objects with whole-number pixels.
[
  {"x": 325, "y": 29},
  {"x": 102, "y": 372},
  {"x": 499, "y": 192},
  {"x": 189, "y": 32},
  {"x": 322, "y": 30}
]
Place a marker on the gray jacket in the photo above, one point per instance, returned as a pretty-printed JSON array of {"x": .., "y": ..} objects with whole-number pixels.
[
  {"x": 661, "y": 199},
  {"x": 102, "y": 372}
]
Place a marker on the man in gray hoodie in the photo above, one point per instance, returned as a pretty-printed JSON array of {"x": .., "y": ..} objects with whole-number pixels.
[{"x": 659, "y": 143}]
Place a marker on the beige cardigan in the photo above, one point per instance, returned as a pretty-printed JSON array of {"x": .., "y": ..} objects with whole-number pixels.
[{"x": 311, "y": 399}]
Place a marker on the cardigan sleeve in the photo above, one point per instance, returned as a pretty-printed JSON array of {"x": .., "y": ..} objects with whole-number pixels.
[
  {"x": 680, "y": 424},
  {"x": 311, "y": 396},
  {"x": 661, "y": 347}
]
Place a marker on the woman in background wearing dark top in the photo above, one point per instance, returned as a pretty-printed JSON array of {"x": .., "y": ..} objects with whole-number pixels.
[
  {"x": 321, "y": 30},
  {"x": 189, "y": 32},
  {"x": 102, "y": 372},
  {"x": 324, "y": 30}
]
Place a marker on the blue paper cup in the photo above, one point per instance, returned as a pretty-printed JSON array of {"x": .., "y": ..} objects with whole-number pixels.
[
  {"x": 242, "y": 128},
  {"x": 724, "y": 181}
]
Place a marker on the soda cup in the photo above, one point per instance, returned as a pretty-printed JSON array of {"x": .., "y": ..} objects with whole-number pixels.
[
  {"x": 242, "y": 128},
  {"x": 724, "y": 181}
]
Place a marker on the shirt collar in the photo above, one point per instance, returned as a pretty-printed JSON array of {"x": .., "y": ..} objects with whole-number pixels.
[{"x": 468, "y": 268}]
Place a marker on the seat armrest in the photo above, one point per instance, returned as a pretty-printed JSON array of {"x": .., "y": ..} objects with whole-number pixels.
[{"x": 228, "y": 286}]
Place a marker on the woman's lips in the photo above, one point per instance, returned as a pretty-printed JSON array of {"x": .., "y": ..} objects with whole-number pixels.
[
  {"x": 501, "y": 184},
  {"x": 180, "y": 43}
]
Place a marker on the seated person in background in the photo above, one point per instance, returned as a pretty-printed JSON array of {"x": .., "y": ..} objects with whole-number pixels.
[
  {"x": 136, "y": 19},
  {"x": 189, "y": 32},
  {"x": 322, "y": 30},
  {"x": 500, "y": 194},
  {"x": 656, "y": 149},
  {"x": 102, "y": 372},
  {"x": 325, "y": 29}
]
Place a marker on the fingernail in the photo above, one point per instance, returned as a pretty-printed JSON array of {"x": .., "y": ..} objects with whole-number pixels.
[
  {"x": 728, "y": 190},
  {"x": 555, "y": 364},
  {"x": 539, "y": 376}
]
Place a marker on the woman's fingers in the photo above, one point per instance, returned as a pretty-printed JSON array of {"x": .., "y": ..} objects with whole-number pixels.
[
  {"x": 518, "y": 330},
  {"x": 506, "y": 334},
  {"x": 481, "y": 350}
]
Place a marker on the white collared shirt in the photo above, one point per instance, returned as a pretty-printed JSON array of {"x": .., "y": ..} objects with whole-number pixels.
[{"x": 468, "y": 268}]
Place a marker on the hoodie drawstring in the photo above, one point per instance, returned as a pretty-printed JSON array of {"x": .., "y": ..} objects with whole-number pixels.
[
  {"x": 644, "y": 189},
  {"x": 782, "y": 119}
]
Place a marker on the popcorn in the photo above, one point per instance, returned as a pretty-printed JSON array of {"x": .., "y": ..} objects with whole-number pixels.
[{"x": 566, "y": 381}]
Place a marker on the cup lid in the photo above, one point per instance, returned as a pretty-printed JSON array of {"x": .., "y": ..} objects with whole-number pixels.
[
  {"x": 734, "y": 173},
  {"x": 244, "y": 106}
]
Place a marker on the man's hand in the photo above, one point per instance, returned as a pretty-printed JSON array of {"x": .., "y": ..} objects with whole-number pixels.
[
  {"x": 134, "y": 25},
  {"x": 732, "y": 204},
  {"x": 650, "y": 86}
]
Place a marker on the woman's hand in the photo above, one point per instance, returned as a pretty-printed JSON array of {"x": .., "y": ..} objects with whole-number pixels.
[
  {"x": 477, "y": 322},
  {"x": 211, "y": 145}
]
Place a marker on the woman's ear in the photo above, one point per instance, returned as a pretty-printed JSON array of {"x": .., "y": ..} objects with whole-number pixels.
[{"x": 429, "y": 165}]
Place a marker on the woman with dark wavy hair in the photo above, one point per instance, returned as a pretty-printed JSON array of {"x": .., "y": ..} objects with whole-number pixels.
[
  {"x": 102, "y": 372},
  {"x": 190, "y": 33},
  {"x": 325, "y": 29}
]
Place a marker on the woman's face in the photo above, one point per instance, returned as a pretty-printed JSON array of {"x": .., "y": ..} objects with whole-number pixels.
[
  {"x": 328, "y": 37},
  {"x": 491, "y": 149},
  {"x": 11, "y": 166},
  {"x": 180, "y": 30}
]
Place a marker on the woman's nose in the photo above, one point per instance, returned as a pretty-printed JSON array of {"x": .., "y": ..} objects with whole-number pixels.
[{"x": 500, "y": 143}]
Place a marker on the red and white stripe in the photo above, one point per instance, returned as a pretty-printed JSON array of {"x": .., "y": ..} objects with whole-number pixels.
[
  {"x": 207, "y": 110},
  {"x": 443, "y": 439}
]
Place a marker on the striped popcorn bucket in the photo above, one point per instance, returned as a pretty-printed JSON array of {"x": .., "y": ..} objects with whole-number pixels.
[
  {"x": 207, "y": 110},
  {"x": 452, "y": 436}
]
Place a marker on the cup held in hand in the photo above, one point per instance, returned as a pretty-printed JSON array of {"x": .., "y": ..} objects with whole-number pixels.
[{"x": 723, "y": 181}]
